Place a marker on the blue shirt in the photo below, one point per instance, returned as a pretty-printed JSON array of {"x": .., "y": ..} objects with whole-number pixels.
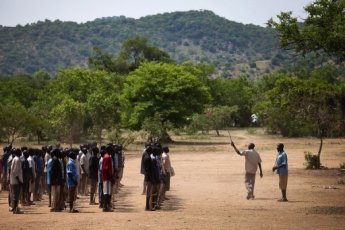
[
  {"x": 72, "y": 174},
  {"x": 283, "y": 162},
  {"x": 49, "y": 171}
]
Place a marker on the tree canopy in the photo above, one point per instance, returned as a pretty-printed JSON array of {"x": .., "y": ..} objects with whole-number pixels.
[
  {"x": 323, "y": 29},
  {"x": 165, "y": 89}
]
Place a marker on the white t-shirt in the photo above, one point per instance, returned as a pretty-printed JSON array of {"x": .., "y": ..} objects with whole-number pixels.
[{"x": 252, "y": 160}]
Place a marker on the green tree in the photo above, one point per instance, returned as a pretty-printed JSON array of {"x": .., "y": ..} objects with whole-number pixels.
[
  {"x": 323, "y": 29},
  {"x": 300, "y": 107},
  {"x": 103, "y": 108},
  {"x": 14, "y": 119},
  {"x": 234, "y": 92},
  {"x": 137, "y": 50},
  {"x": 165, "y": 89},
  {"x": 220, "y": 116},
  {"x": 66, "y": 120}
]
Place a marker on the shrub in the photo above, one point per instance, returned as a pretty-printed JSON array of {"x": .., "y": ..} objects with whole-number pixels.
[{"x": 312, "y": 161}]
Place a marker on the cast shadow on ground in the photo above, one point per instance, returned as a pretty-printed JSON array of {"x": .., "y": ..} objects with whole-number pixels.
[
  {"x": 173, "y": 204},
  {"x": 327, "y": 210},
  {"x": 200, "y": 143},
  {"x": 122, "y": 202}
]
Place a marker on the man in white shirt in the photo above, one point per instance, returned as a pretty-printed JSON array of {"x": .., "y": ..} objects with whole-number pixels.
[
  {"x": 16, "y": 180},
  {"x": 252, "y": 162}
]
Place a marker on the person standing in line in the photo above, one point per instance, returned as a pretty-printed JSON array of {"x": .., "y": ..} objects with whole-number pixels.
[
  {"x": 93, "y": 173},
  {"x": 142, "y": 168},
  {"x": 27, "y": 178},
  {"x": 32, "y": 166},
  {"x": 168, "y": 169},
  {"x": 281, "y": 165},
  {"x": 107, "y": 178},
  {"x": 48, "y": 178},
  {"x": 100, "y": 181},
  {"x": 47, "y": 156},
  {"x": 72, "y": 180},
  {"x": 8, "y": 179},
  {"x": 253, "y": 160},
  {"x": 56, "y": 178},
  {"x": 5, "y": 157},
  {"x": 16, "y": 180},
  {"x": 148, "y": 165},
  {"x": 83, "y": 179}
]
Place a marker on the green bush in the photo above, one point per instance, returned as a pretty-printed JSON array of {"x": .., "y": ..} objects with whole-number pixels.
[{"x": 312, "y": 161}]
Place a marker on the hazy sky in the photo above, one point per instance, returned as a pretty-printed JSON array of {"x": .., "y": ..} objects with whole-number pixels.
[{"x": 14, "y": 12}]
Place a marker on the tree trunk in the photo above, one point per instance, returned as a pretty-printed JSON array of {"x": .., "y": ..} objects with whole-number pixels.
[
  {"x": 38, "y": 137},
  {"x": 319, "y": 153},
  {"x": 217, "y": 131},
  {"x": 100, "y": 138}
]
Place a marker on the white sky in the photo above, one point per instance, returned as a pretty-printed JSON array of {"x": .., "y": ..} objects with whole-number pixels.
[{"x": 14, "y": 12}]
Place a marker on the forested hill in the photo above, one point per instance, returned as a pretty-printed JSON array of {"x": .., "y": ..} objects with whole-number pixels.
[{"x": 199, "y": 36}]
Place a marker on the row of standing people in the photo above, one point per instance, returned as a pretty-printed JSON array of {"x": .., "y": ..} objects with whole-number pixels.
[
  {"x": 59, "y": 173},
  {"x": 157, "y": 170}
]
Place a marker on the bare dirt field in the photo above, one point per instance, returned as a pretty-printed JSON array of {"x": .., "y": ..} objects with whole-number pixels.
[{"x": 208, "y": 191}]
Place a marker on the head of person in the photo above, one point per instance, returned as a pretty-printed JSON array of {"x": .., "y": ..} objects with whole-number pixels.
[
  {"x": 26, "y": 153},
  {"x": 72, "y": 154},
  {"x": 103, "y": 152},
  {"x": 280, "y": 147},
  {"x": 17, "y": 152},
  {"x": 56, "y": 153},
  {"x": 95, "y": 151},
  {"x": 49, "y": 149},
  {"x": 109, "y": 149},
  {"x": 31, "y": 151},
  {"x": 251, "y": 146},
  {"x": 166, "y": 149}
]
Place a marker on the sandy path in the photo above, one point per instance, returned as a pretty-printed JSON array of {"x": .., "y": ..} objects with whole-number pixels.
[{"x": 208, "y": 192}]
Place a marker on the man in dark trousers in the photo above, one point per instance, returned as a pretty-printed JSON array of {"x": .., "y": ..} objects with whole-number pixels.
[
  {"x": 56, "y": 180},
  {"x": 93, "y": 173}
]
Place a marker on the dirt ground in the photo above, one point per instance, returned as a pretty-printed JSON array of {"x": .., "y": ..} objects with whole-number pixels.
[{"x": 208, "y": 191}]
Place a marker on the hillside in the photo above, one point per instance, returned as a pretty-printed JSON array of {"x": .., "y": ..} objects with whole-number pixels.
[{"x": 198, "y": 36}]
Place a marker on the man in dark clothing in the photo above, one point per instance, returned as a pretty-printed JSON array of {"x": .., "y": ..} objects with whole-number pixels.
[
  {"x": 7, "y": 153},
  {"x": 56, "y": 178},
  {"x": 93, "y": 173}
]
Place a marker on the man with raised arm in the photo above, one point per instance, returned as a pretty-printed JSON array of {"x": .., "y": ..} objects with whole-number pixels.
[{"x": 253, "y": 160}]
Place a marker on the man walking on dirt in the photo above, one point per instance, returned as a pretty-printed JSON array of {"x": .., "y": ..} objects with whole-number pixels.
[
  {"x": 252, "y": 162},
  {"x": 281, "y": 165}
]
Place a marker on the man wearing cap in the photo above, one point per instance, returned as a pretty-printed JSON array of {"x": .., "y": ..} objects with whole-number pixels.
[{"x": 253, "y": 160}]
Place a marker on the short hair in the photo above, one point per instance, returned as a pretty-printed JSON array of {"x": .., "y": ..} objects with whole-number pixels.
[
  {"x": 280, "y": 145},
  {"x": 251, "y": 146}
]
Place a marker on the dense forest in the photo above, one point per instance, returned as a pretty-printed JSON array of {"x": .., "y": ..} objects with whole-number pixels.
[{"x": 233, "y": 48}]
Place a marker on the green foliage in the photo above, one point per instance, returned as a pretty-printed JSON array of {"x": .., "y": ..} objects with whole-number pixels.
[
  {"x": 156, "y": 129},
  {"x": 165, "y": 89},
  {"x": 66, "y": 120},
  {"x": 234, "y": 92},
  {"x": 323, "y": 29},
  {"x": 14, "y": 118},
  {"x": 296, "y": 107},
  {"x": 312, "y": 161},
  {"x": 125, "y": 138}
]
